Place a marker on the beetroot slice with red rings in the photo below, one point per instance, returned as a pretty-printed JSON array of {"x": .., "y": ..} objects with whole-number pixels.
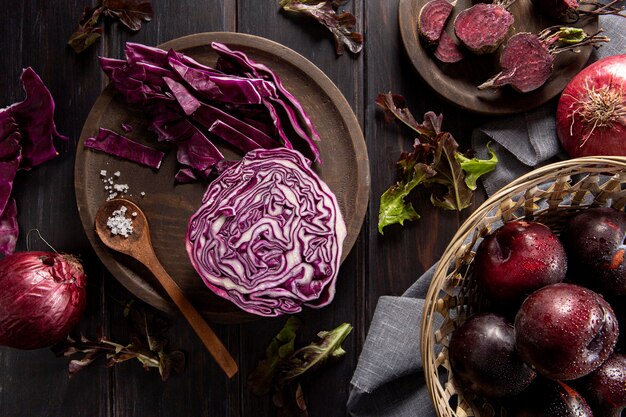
[
  {"x": 433, "y": 18},
  {"x": 526, "y": 64},
  {"x": 483, "y": 27},
  {"x": 448, "y": 50}
]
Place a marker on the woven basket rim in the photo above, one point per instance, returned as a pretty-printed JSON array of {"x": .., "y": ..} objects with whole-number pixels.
[{"x": 533, "y": 178}]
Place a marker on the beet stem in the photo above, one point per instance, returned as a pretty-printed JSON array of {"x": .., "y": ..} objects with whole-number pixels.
[{"x": 602, "y": 9}]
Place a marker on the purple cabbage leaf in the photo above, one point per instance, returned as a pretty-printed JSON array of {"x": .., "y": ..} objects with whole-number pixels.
[
  {"x": 268, "y": 235},
  {"x": 119, "y": 145}
]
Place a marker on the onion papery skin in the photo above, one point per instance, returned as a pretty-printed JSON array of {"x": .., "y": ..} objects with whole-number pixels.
[
  {"x": 268, "y": 235},
  {"x": 42, "y": 298},
  {"x": 591, "y": 114}
]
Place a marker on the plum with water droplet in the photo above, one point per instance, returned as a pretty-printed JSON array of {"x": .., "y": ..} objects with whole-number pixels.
[
  {"x": 606, "y": 387},
  {"x": 518, "y": 258},
  {"x": 547, "y": 398},
  {"x": 483, "y": 357},
  {"x": 594, "y": 242},
  {"x": 565, "y": 331}
]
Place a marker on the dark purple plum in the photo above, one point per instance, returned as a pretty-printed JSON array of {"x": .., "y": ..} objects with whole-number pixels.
[
  {"x": 565, "y": 331},
  {"x": 517, "y": 259},
  {"x": 606, "y": 387},
  {"x": 594, "y": 241},
  {"x": 546, "y": 398},
  {"x": 483, "y": 358}
]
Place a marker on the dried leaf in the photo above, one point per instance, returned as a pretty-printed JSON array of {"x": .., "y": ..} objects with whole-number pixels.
[
  {"x": 341, "y": 25},
  {"x": 145, "y": 346},
  {"x": 87, "y": 32},
  {"x": 130, "y": 12}
]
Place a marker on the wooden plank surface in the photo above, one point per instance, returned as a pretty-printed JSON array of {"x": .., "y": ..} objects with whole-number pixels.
[{"x": 36, "y": 383}]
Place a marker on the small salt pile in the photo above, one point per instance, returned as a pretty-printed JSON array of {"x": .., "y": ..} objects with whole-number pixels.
[{"x": 118, "y": 224}]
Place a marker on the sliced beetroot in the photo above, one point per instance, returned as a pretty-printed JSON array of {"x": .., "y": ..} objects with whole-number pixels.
[
  {"x": 526, "y": 60},
  {"x": 483, "y": 27},
  {"x": 526, "y": 64},
  {"x": 448, "y": 51},
  {"x": 433, "y": 18}
]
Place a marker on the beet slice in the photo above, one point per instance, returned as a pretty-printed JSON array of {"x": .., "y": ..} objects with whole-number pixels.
[
  {"x": 526, "y": 64},
  {"x": 483, "y": 27},
  {"x": 526, "y": 60},
  {"x": 433, "y": 18},
  {"x": 448, "y": 50}
]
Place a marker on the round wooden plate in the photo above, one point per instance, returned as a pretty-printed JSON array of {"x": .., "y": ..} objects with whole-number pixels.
[
  {"x": 168, "y": 206},
  {"x": 457, "y": 82}
]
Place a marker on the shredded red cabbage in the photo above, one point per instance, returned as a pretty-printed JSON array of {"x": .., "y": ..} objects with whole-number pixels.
[
  {"x": 268, "y": 235},
  {"x": 241, "y": 102},
  {"x": 113, "y": 143}
]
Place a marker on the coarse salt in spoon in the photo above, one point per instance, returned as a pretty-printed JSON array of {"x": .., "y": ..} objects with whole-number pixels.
[{"x": 123, "y": 227}]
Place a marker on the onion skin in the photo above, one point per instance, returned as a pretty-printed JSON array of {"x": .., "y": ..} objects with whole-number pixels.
[
  {"x": 591, "y": 114},
  {"x": 42, "y": 297}
]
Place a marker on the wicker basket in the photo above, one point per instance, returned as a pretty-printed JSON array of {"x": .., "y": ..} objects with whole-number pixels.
[{"x": 549, "y": 194}]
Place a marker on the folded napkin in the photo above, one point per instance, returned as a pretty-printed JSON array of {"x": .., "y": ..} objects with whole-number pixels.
[{"x": 388, "y": 380}]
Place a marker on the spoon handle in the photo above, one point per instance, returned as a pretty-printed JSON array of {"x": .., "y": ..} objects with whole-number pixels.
[{"x": 210, "y": 340}]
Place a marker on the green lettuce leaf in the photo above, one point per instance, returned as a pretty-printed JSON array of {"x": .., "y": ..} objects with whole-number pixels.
[
  {"x": 281, "y": 347},
  {"x": 311, "y": 357},
  {"x": 433, "y": 162},
  {"x": 475, "y": 167}
]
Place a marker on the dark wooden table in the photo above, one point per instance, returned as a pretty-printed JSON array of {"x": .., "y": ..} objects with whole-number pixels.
[{"x": 35, "y": 383}]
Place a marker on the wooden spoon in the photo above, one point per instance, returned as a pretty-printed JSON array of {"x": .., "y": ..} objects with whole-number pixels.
[{"x": 139, "y": 246}]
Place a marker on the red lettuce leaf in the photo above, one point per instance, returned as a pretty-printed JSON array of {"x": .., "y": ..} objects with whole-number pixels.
[
  {"x": 341, "y": 25},
  {"x": 87, "y": 32},
  {"x": 115, "y": 144},
  {"x": 129, "y": 12}
]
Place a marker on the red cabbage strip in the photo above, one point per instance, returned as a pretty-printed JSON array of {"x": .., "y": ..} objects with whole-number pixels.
[
  {"x": 115, "y": 144},
  {"x": 8, "y": 228},
  {"x": 8, "y": 170},
  {"x": 268, "y": 235},
  {"x": 224, "y": 88},
  {"x": 206, "y": 115},
  {"x": 188, "y": 103},
  {"x": 232, "y": 136},
  {"x": 247, "y": 66},
  {"x": 198, "y": 152}
]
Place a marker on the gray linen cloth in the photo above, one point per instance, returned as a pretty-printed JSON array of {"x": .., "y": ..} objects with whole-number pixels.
[{"x": 388, "y": 380}]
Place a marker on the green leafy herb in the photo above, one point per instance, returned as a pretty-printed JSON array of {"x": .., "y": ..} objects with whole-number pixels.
[
  {"x": 281, "y": 347},
  {"x": 434, "y": 162},
  {"x": 129, "y": 12},
  {"x": 147, "y": 345},
  {"x": 339, "y": 24},
  {"x": 283, "y": 368},
  {"x": 474, "y": 167},
  {"x": 311, "y": 357}
]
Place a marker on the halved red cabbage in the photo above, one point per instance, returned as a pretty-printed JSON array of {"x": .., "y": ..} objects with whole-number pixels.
[
  {"x": 27, "y": 132},
  {"x": 246, "y": 104},
  {"x": 113, "y": 143},
  {"x": 268, "y": 235}
]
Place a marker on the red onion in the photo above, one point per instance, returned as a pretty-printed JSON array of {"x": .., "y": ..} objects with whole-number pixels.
[
  {"x": 42, "y": 297},
  {"x": 591, "y": 115}
]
